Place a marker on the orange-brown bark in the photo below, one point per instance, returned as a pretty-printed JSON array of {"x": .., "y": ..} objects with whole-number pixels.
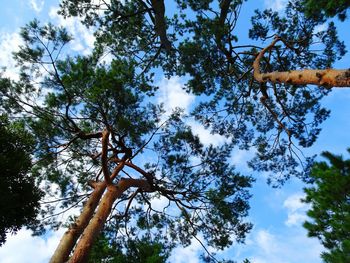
[
  {"x": 327, "y": 77},
  {"x": 71, "y": 236},
  {"x": 96, "y": 224}
]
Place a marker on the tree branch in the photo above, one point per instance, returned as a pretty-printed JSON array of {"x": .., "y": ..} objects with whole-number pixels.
[
  {"x": 160, "y": 24},
  {"x": 96, "y": 224},
  {"x": 105, "y": 135},
  {"x": 326, "y": 77}
]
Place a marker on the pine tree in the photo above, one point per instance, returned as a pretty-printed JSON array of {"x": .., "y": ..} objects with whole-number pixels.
[
  {"x": 94, "y": 122},
  {"x": 329, "y": 198}
]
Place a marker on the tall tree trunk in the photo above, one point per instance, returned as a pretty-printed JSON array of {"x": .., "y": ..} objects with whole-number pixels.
[
  {"x": 96, "y": 224},
  {"x": 71, "y": 236},
  {"x": 326, "y": 77}
]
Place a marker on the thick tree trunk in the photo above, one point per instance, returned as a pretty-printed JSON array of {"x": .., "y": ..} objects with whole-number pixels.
[
  {"x": 96, "y": 224},
  {"x": 71, "y": 236},
  {"x": 327, "y": 77}
]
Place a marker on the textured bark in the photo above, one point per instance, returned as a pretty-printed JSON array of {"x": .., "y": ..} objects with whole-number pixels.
[
  {"x": 327, "y": 77},
  {"x": 96, "y": 224},
  {"x": 71, "y": 236}
]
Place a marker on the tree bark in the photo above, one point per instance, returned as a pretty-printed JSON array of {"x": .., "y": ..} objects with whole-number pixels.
[
  {"x": 71, "y": 236},
  {"x": 96, "y": 224},
  {"x": 327, "y": 77}
]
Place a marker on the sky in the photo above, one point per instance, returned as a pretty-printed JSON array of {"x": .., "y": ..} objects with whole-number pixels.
[{"x": 277, "y": 214}]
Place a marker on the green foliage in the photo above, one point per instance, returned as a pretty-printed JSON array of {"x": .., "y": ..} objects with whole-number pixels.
[
  {"x": 330, "y": 207},
  {"x": 225, "y": 197},
  {"x": 84, "y": 96},
  {"x": 211, "y": 259},
  {"x": 141, "y": 250},
  {"x": 206, "y": 50},
  {"x": 67, "y": 101},
  {"x": 19, "y": 199},
  {"x": 327, "y": 8}
]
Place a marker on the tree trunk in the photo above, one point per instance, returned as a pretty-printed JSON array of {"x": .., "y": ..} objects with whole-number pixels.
[
  {"x": 71, "y": 236},
  {"x": 327, "y": 77},
  {"x": 96, "y": 224}
]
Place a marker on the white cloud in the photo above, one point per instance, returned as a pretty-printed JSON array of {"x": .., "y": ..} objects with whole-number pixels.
[
  {"x": 159, "y": 203},
  {"x": 275, "y": 239},
  {"x": 36, "y": 5},
  {"x": 188, "y": 254},
  {"x": 241, "y": 157},
  {"x": 320, "y": 28},
  {"x": 9, "y": 43},
  {"x": 276, "y": 5},
  {"x": 296, "y": 210},
  {"x": 266, "y": 241},
  {"x": 172, "y": 94},
  {"x": 205, "y": 136},
  {"x": 287, "y": 247},
  {"x": 295, "y": 219},
  {"x": 282, "y": 245},
  {"x": 83, "y": 38},
  {"x": 25, "y": 248}
]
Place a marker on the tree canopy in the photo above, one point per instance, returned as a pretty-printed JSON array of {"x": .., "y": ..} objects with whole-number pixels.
[
  {"x": 102, "y": 142},
  {"x": 329, "y": 198},
  {"x": 205, "y": 47},
  {"x": 329, "y": 8},
  {"x": 143, "y": 250},
  {"x": 19, "y": 200}
]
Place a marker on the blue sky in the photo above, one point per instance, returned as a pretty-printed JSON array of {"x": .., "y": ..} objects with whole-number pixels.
[{"x": 277, "y": 214}]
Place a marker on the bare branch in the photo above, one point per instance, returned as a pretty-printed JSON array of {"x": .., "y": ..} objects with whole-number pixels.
[{"x": 326, "y": 77}]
